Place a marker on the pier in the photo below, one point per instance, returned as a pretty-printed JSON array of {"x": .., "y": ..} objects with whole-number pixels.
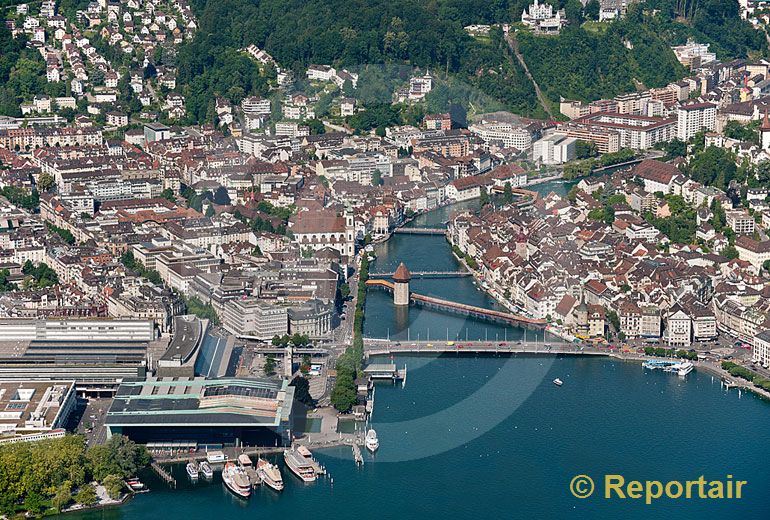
[
  {"x": 357, "y": 455},
  {"x": 385, "y": 371},
  {"x": 461, "y": 308},
  {"x": 163, "y": 474}
]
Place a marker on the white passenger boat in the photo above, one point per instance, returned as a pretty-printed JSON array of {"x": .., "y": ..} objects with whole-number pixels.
[
  {"x": 236, "y": 480},
  {"x": 558, "y": 382},
  {"x": 685, "y": 368},
  {"x": 205, "y": 468},
  {"x": 302, "y": 466},
  {"x": 270, "y": 474},
  {"x": 371, "y": 441},
  {"x": 192, "y": 470}
]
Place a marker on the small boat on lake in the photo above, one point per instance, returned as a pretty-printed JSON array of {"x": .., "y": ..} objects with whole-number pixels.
[
  {"x": 192, "y": 470},
  {"x": 205, "y": 468},
  {"x": 371, "y": 441}
]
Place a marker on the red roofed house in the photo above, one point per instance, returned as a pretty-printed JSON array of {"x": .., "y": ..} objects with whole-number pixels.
[
  {"x": 324, "y": 228},
  {"x": 657, "y": 176}
]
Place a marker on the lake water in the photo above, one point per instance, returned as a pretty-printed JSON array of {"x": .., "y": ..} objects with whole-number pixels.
[{"x": 492, "y": 437}]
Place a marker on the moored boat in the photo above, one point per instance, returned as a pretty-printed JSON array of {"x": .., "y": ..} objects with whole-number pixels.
[
  {"x": 192, "y": 470},
  {"x": 558, "y": 382},
  {"x": 371, "y": 441},
  {"x": 270, "y": 474},
  {"x": 685, "y": 368},
  {"x": 236, "y": 480},
  {"x": 300, "y": 465},
  {"x": 205, "y": 468},
  {"x": 244, "y": 460},
  {"x": 135, "y": 484}
]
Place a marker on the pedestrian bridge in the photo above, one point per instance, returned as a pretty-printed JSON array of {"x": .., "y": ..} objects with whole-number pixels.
[
  {"x": 428, "y": 274},
  {"x": 381, "y": 346},
  {"x": 462, "y": 308},
  {"x": 419, "y": 231}
]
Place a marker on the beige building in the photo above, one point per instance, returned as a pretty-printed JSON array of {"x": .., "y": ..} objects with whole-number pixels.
[
  {"x": 761, "y": 350},
  {"x": 249, "y": 317}
]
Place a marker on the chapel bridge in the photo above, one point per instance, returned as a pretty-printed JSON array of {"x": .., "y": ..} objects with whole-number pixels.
[
  {"x": 455, "y": 307},
  {"x": 427, "y": 274}
]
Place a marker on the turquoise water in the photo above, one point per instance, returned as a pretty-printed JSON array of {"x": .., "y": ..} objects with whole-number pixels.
[
  {"x": 492, "y": 437},
  {"x": 511, "y": 449}
]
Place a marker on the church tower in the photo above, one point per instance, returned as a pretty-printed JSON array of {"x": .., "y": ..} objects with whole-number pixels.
[
  {"x": 401, "y": 285},
  {"x": 764, "y": 132}
]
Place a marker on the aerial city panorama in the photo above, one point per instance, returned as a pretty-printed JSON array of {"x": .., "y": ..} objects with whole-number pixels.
[{"x": 384, "y": 259}]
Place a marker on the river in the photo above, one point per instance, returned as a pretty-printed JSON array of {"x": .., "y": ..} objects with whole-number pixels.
[{"x": 492, "y": 437}]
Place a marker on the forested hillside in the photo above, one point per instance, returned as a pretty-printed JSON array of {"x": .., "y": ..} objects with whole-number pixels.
[{"x": 587, "y": 61}]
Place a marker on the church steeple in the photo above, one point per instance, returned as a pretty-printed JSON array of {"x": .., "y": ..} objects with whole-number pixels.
[{"x": 764, "y": 132}]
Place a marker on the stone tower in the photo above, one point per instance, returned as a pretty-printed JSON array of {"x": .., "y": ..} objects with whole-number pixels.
[
  {"x": 401, "y": 285},
  {"x": 288, "y": 362}
]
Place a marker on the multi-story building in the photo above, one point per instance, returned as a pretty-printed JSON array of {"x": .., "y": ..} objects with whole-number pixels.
[
  {"x": 694, "y": 54},
  {"x": 250, "y": 317},
  {"x": 678, "y": 331},
  {"x": 693, "y": 117},
  {"x": 313, "y": 319},
  {"x": 319, "y": 229},
  {"x": 34, "y": 407},
  {"x": 254, "y": 105},
  {"x": 511, "y": 136},
  {"x": 740, "y": 221},
  {"x": 753, "y": 251},
  {"x": 632, "y": 131},
  {"x": 760, "y": 352},
  {"x": 455, "y": 145},
  {"x": 554, "y": 149}
]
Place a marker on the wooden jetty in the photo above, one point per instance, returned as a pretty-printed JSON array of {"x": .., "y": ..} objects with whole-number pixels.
[
  {"x": 167, "y": 477},
  {"x": 357, "y": 454}
]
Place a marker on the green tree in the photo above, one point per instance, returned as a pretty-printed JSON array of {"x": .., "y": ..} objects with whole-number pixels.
[
  {"x": 63, "y": 496},
  {"x": 484, "y": 198},
  {"x": 377, "y": 178},
  {"x": 269, "y": 367},
  {"x": 316, "y": 126},
  {"x": 119, "y": 456},
  {"x": 45, "y": 181},
  {"x": 168, "y": 194},
  {"x": 729, "y": 252},
  {"x": 86, "y": 495},
  {"x": 302, "y": 390},
  {"x": 344, "y": 396},
  {"x": 507, "y": 193},
  {"x": 114, "y": 486},
  {"x": 713, "y": 167},
  {"x": 591, "y": 10}
]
